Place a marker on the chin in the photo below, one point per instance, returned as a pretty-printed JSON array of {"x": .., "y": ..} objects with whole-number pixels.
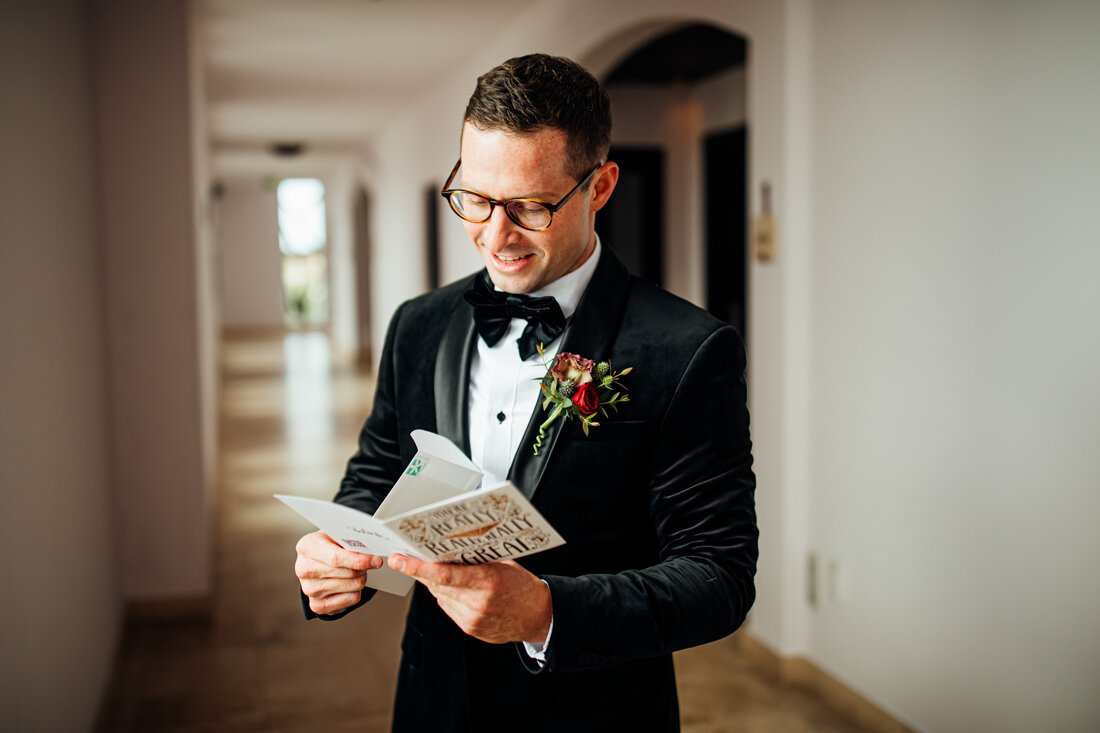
[{"x": 512, "y": 284}]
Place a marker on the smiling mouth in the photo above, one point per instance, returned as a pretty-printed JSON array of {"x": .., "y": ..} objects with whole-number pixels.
[{"x": 510, "y": 260}]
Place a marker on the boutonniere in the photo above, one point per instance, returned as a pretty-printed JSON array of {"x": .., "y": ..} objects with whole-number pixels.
[{"x": 580, "y": 388}]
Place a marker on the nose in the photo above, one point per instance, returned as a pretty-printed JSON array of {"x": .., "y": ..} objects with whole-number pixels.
[{"x": 499, "y": 231}]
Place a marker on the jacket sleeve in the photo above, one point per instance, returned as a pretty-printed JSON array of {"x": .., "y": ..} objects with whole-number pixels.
[
  {"x": 701, "y": 502},
  {"x": 376, "y": 465}
]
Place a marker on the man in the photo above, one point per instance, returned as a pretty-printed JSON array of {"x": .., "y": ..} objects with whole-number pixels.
[{"x": 655, "y": 504}]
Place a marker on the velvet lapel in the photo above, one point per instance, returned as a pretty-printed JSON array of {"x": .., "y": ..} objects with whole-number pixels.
[
  {"x": 452, "y": 376},
  {"x": 590, "y": 334}
]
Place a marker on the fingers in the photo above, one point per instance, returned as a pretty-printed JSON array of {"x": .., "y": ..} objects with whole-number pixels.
[
  {"x": 319, "y": 548},
  {"x": 335, "y": 594},
  {"x": 325, "y": 587},
  {"x": 333, "y": 604},
  {"x": 331, "y": 577},
  {"x": 305, "y": 567},
  {"x": 497, "y": 602}
]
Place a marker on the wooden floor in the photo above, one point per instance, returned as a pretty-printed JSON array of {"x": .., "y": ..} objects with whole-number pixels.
[{"x": 288, "y": 423}]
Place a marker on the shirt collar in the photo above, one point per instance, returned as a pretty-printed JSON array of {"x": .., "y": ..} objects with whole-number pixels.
[{"x": 569, "y": 288}]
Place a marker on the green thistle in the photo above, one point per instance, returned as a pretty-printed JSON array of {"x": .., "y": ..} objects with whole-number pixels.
[
  {"x": 602, "y": 369},
  {"x": 567, "y": 388}
]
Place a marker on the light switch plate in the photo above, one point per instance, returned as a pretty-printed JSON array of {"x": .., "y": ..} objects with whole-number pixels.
[{"x": 763, "y": 237}]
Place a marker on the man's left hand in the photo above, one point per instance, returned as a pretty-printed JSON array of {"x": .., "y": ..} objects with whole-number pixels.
[{"x": 498, "y": 602}]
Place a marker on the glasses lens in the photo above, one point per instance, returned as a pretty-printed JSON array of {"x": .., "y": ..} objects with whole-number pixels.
[
  {"x": 529, "y": 214},
  {"x": 470, "y": 206}
]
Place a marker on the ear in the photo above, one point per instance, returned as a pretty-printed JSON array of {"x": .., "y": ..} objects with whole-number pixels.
[{"x": 603, "y": 183}]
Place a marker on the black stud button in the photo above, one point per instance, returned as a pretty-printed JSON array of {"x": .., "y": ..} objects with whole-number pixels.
[{"x": 500, "y": 417}]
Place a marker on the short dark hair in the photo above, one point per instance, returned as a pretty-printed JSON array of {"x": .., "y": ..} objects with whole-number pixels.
[{"x": 534, "y": 92}]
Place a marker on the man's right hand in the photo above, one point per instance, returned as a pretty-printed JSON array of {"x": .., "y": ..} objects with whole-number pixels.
[{"x": 332, "y": 577}]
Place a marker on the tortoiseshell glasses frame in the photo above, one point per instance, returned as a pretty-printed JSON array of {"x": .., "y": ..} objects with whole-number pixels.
[{"x": 531, "y": 214}]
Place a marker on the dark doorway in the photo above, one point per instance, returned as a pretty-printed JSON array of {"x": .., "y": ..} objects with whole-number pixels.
[
  {"x": 726, "y": 204},
  {"x": 632, "y": 223},
  {"x": 431, "y": 238},
  {"x": 362, "y": 275}
]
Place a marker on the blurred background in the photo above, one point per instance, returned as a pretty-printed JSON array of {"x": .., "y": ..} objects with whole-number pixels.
[{"x": 209, "y": 210}]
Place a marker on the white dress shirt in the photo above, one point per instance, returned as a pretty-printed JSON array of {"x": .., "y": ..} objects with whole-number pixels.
[{"x": 504, "y": 391}]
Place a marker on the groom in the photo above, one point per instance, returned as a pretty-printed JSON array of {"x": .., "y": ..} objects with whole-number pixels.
[{"x": 655, "y": 504}]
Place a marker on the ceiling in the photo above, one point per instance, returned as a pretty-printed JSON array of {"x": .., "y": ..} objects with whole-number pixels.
[{"x": 326, "y": 73}]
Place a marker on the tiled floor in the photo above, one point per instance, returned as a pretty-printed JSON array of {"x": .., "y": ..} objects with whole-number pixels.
[{"x": 288, "y": 422}]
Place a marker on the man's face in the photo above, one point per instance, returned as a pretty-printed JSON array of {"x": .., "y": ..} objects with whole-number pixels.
[{"x": 503, "y": 166}]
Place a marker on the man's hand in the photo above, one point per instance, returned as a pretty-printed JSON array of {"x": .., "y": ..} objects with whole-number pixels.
[
  {"x": 497, "y": 603},
  {"x": 332, "y": 577}
]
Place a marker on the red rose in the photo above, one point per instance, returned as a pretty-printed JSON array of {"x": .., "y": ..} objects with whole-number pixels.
[{"x": 585, "y": 398}]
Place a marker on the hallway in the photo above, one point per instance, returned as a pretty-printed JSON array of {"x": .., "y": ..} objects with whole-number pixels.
[{"x": 289, "y": 418}]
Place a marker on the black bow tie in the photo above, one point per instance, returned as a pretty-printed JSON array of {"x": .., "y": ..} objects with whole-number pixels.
[{"x": 493, "y": 310}]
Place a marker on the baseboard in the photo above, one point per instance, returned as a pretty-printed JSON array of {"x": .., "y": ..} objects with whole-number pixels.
[
  {"x": 801, "y": 672},
  {"x": 170, "y": 609}
]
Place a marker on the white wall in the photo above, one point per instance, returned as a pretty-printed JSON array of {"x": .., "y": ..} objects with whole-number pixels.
[
  {"x": 248, "y": 247},
  {"x": 341, "y": 189},
  {"x": 61, "y": 595},
  {"x": 154, "y": 272},
  {"x": 955, "y": 409},
  {"x": 207, "y": 296}
]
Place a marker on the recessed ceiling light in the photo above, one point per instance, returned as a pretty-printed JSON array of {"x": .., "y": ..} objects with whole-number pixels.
[{"x": 287, "y": 150}]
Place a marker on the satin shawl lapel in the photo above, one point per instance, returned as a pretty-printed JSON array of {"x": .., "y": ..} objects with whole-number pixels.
[
  {"x": 452, "y": 376},
  {"x": 590, "y": 334}
]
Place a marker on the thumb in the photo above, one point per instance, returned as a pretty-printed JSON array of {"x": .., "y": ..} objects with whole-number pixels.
[
  {"x": 403, "y": 564},
  {"x": 426, "y": 572}
]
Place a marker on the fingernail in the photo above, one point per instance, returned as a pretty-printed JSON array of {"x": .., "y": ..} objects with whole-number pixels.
[
  {"x": 397, "y": 562},
  {"x": 376, "y": 562}
]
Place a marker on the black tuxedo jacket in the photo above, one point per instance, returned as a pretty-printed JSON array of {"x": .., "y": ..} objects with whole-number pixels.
[{"x": 655, "y": 505}]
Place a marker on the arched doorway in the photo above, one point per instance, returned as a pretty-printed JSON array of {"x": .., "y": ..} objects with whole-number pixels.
[{"x": 679, "y": 215}]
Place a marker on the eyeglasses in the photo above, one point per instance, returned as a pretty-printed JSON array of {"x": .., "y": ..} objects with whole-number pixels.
[{"x": 530, "y": 214}]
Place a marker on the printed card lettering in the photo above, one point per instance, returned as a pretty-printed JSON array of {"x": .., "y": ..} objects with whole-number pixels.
[{"x": 435, "y": 512}]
